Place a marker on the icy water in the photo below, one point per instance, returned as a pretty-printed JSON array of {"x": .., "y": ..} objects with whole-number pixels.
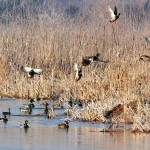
[{"x": 44, "y": 134}]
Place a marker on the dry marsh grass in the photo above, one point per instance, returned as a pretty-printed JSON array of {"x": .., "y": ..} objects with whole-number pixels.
[{"x": 56, "y": 43}]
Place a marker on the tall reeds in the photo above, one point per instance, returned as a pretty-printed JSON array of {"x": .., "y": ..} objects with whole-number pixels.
[{"x": 54, "y": 42}]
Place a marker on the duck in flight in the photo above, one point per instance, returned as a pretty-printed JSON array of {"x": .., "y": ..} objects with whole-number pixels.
[
  {"x": 78, "y": 72},
  {"x": 113, "y": 14},
  {"x": 4, "y": 119},
  {"x": 145, "y": 58},
  {"x": 31, "y": 71},
  {"x": 89, "y": 59}
]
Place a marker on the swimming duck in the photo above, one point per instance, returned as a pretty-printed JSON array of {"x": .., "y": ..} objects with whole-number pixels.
[
  {"x": 25, "y": 125},
  {"x": 4, "y": 119},
  {"x": 70, "y": 103},
  {"x": 25, "y": 106},
  {"x": 114, "y": 111},
  {"x": 59, "y": 105},
  {"x": 147, "y": 39},
  {"x": 145, "y": 58},
  {"x": 46, "y": 110},
  {"x": 78, "y": 72},
  {"x": 50, "y": 113},
  {"x": 31, "y": 105},
  {"x": 7, "y": 113},
  {"x": 26, "y": 110},
  {"x": 31, "y": 71},
  {"x": 89, "y": 59},
  {"x": 31, "y": 100},
  {"x": 64, "y": 125},
  {"x": 113, "y": 14}
]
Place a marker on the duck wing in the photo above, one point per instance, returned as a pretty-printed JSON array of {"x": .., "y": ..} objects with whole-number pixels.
[
  {"x": 115, "y": 11},
  {"x": 26, "y": 69},
  {"x": 78, "y": 72},
  {"x": 37, "y": 71},
  {"x": 76, "y": 67}
]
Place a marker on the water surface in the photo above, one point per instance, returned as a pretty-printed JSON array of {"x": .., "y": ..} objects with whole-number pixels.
[{"x": 44, "y": 134}]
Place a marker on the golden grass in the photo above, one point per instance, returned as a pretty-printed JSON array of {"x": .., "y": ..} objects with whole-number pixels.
[{"x": 56, "y": 46}]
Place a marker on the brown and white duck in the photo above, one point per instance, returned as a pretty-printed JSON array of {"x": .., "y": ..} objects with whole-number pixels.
[
  {"x": 58, "y": 105},
  {"x": 64, "y": 125}
]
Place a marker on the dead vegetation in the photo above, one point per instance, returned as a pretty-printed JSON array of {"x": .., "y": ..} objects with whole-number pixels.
[{"x": 56, "y": 43}]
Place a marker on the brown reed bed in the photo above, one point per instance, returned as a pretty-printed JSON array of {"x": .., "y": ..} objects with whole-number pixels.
[{"x": 56, "y": 43}]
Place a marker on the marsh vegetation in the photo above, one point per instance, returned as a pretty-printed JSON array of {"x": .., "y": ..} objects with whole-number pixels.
[{"x": 50, "y": 39}]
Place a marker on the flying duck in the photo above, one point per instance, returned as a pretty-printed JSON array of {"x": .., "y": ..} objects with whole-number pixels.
[
  {"x": 31, "y": 71},
  {"x": 145, "y": 58},
  {"x": 113, "y": 14},
  {"x": 78, "y": 72},
  {"x": 89, "y": 59}
]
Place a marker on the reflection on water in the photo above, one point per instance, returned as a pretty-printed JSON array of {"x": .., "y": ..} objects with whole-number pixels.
[{"x": 44, "y": 134}]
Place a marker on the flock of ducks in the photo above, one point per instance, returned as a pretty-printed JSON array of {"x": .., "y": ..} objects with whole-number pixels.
[
  {"x": 88, "y": 60},
  {"x": 27, "y": 109}
]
